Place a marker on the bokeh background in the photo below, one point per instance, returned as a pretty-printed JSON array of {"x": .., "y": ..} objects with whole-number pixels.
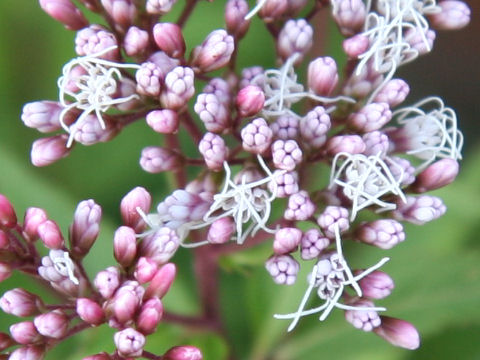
[{"x": 436, "y": 270}]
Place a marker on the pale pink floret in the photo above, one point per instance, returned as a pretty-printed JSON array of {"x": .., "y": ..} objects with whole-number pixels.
[
  {"x": 398, "y": 332},
  {"x": 215, "y": 51},
  {"x": 286, "y": 183},
  {"x": 183, "y": 353},
  {"x": 349, "y": 15},
  {"x": 30, "y": 352},
  {"x": 221, "y": 230},
  {"x": 402, "y": 170},
  {"x": 95, "y": 39},
  {"x": 376, "y": 285},
  {"x": 25, "y": 333},
  {"x": 300, "y": 207},
  {"x": 169, "y": 38},
  {"x": 214, "y": 113},
  {"x": 155, "y": 159},
  {"x": 42, "y": 115},
  {"x": 90, "y": 131},
  {"x": 235, "y": 12},
  {"x": 159, "y": 7},
  {"x": 322, "y": 75},
  {"x": 332, "y": 217},
  {"x": 163, "y": 121},
  {"x": 314, "y": 127},
  {"x": 350, "y": 144},
  {"x": 383, "y": 233},
  {"x": 437, "y": 175},
  {"x": 295, "y": 38},
  {"x": 149, "y": 78},
  {"x": 214, "y": 151},
  {"x": 454, "y": 15},
  {"x": 257, "y": 136},
  {"x": 5, "y": 270},
  {"x": 394, "y": 92},
  {"x": 107, "y": 281},
  {"x": 161, "y": 245},
  {"x": 371, "y": 117},
  {"x": 420, "y": 210},
  {"x": 283, "y": 269},
  {"x": 365, "y": 320},
  {"x": 285, "y": 127},
  {"x": 124, "y": 245},
  {"x": 46, "y": 151},
  {"x": 135, "y": 41},
  {"x": 86, "y": 226},
  {"x": 221, "y": 89},
  {"x": 53, "y": 324},
  {"x": 416, "y": 39},
  {"x": 286, "y": 154},
  {"x": 286, "y": 240},
  {"x": 122, "y": 12},
  {"x": 355, "y": 45},
  {"x": 129, "y": 342},
  {"x": 252, "y": 76},
  {"x": 273, "y": 10},
  {"x": 313, "y": 243},
  {"x": 179, "y": 88},
  {"x": 136, "y": 198},
  {"x": 376, "y": 143}
]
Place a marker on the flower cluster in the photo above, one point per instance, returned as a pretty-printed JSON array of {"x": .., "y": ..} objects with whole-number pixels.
[{"x": 262, "y": 134}]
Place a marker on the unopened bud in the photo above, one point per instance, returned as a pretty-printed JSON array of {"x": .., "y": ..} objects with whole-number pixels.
[
  {"x": 398, "y": 332},
  {"x": 135, "y": 41},
  {"x": 50, "y": 234},
  {"x": 286, "y": 240},
  {"x": 150, "y": 315},
  {"x": 65, "y": 12},
  {"x": 124, "y": 245},
  {"x": 215, "y": 51},
  {"x": 250, "y": 100},
  {"x": 351, "y": 144},
  {"x": 156, "y": 159},
  {"x": 163, "y": 121},
  {"x": 123, "y": 12},
  {"x": 162, "y": 281},
  {"x": 183, "y": 353},
  {"x": 355, "y": 45},
  {"x": 129, "y": 342},
  {"x": 169, "y": 38},
  {"x": 295, "y": 38},
  {"x": 453, "y": 15},
  {"x": 179, "y": 88},
  {"x": 145, "y": 270},
  {"x": 107, "y": 281},
  {"x": 24, "y": 332},
  {"x": 322, "y": 75},
  {"x": 8, "y": 217},
  {"x": 257, "y": 136},
  {"x": 235, "y": 11},
  {"x": 85, "y": 227},
  {"x": 437, "y": 175},
  {"x": 20, "y": 303},
  {"x": 376, "y": 285},
  {"x": 48, "y": 150},
  {"x": 89, "y": 311},
  {"x": 53, "y": 324},
  {"x": 214, "y": 151},
  {"x": 5, "y": 271},
  {"x": 221, "y": 230},
  {"x": 33, "y": 218},
  {"x": 30, "y": 352},
  {"x": 136, "y": 198}
]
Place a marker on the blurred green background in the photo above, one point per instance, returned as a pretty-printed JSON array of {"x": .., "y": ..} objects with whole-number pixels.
[{"x": 436, "y": 270}]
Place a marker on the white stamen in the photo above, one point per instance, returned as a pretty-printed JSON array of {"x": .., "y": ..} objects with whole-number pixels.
[
  {"x": 255, "y": 10},
  {"x": 65, "y": 266}
]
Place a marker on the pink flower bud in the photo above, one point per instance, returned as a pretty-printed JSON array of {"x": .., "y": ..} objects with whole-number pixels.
[
  {"x": 221, "y": 230},
  {"x": 135, "y": 41},
  {"x": 129, "y": 342},
  {"x": 214, "y": 113},
  {"x": 249, "y": 74},
  {"x": 179, "y": 88},
  {"x": 371, "y": 117},
  {"x": 349, "y": 15},
  {"x": 65, "y": 12},
  {"x": 136, "y": 198},
  {"x": 398, "y": 332},
  {"x": 215, "y": 51},
  {"x": 156, "y": 159},
  {"x": 89, "y": 311},
  {"x": 376, "y": 285},
  {"x": 94, "y": 39},
  {"x": 283, "y": 269},
  {"x": 419, "y": 210},
  {"x": 235, "y": 12},
  {"x": 393, "y": 92},
  {"x": 250, "y": 100},
  {"x": 31, "y": 352},
  {"x": 214, "y": 151},
  {"x": 126, "y": 301},
  {"x": 5, "y": 271},
  {"x": 332, "y": 217},
  {"x": 161, "y": 245},
  {"x": 415, "y": 37},
  {"x": 163, "y": 121},
  {"x": 295, "y": 38},
  {"x": 53, "y": 324},
  {"x": 351, "y": 144},
  {"x": 145, "y": 269},
  {"x": 8, "y": 217},
  {"x": 257, "y": 136},
  {"x": 124, "y": 245},
  {"x": 122, "y": 12},
  {"x": 91, "y": 132},
  {"x": 33, "y": 218},
  {"x": 322, "y": 75},
  {"x": 159, "y": 7},
  {"x": 285, "y": 127},
  {"x": 286, "y": 240},
  {"x": 20, "y": 303},
  {"x": 383, "y": 233},
  {"x": 437, "y": 175},
  {"x": 42, "y": 115},
  {"x": 149, "y": 78},
  {"x": 46, "y": 151},
  {"x": 24, "y": 332},
  {"x": 376, "y": 143},
  {"x": 85, "y": 227},
  {"x": 286, "y": 154},
  {"x": 150, "y": 315},
  {"x": 162, "y": 281},
  {"x": 107, "y": 281},
  {"x": 300, "y": 207},
  {"x": 365, "y": 320},
  {"x": 284, "y": 184},
  {"x": 50, "y": 234},
  {"x": 221, "y": 89},
  {"x": 169, "y": 38},
  {"x": 313, "y": 243},
  {"x": 314, "y": 127},
  {"x": 454, "y": 15},
  {"x": 183, "y": 353},
  {"x": 355, "y": 45}
]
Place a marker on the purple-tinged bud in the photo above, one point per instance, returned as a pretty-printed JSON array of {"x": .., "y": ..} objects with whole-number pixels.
[
  {"x": 235, "y": 12},
  {"x": 156, "y": 159},
  {"x": 8, "y": 217},
  {"x": 365, "y": 320},
  {"x": 149, "y": 78},
  {"x": 164, "y": 62},
  {"x": 257, "y": 136},
  {"x": 50, "y": 234},
  {"x": 5, "y": 271},
  {"x": 186, "y": 352},
  {"x": 159, "y": 7},
  {"x": 179, "y": 88},
  {"x": 300, "y": 207},
  {"x": 349, "y": 15},
  {"x": 312, "y": 244},
  {"x": 169, "y": 38},
  {"x": 350, "y": 144},
  {"x": 42, "y": 115},
  {"x": 273, "y": 10},
  {"x": 107, "y": 281},
  {"x": 376, "y": 143},
  {"x": 437, "y": 175},
  {"x": 4, "y": 240},
  {"x": 102, "y": 356},
  {"x": 33, "y": 218},
  {"x": 135, "y": 41},
  {"x": 129, "y": 342},
  {"x": 295, "y": 38},
  {"x": 53, "y": 324},
  {"x": 394, "y": 92},
  {"x": 249, "y": 74},
  {"x": 370, "y": 118},
  {"x": 31, "y": 352},
  {"x": 314, "y": 127},
  {"x": 250, "y": 100},
  {"x": 284, "y": 184},
  {"x": 221, "y": 230},
  {"x": 89, "y": 311},
  {"x": 285, "y": 127},
  {"x": 416, "y": 39},
  {"x": 215, "y": 51},
  {"x": 322, "y": 75},
  {"x": 332, "y": 217},
  {"x": 398, "y": 332},
  {"x": 162, "y": 281},
  {"x": 419, "y": 210},
  {"x": 24, "y": 332},
  {"x": 5, "y": 341},
  {"x": 283, "y": 269},
  {"x": 145, "y": 270},
  {"x": 124, "y": 245},
  {"x": 454, "y": 15},
  {"x": 286, "y": 240},
  {"x": 376, "y": 285},
  {"x": 122, "y": 12},
  {"x": 214, "y": 114},
  {"x": 20, "y": 303},
  {"x": 150, "y": 316},
  {"x": 355, "y": 45},
  {"x": 91, "y": 132},
  {"x": 46, "y": 151},
  {"x": 65, "y": 12},
  {"x": 126, "y": 301},
  {"x": 95, "y": 39},
  {"x": 401, "y": 168},
  {"x": 136, "y": 198},
  {"x": 85, "y": 227},
  {"x": 286, "y": 154},
  {"x": 221, "y": 89},
  {"x": 182, "y": 206},
  {"x": 214, "y": 151},
  {"x": 161, "y": 245}
]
